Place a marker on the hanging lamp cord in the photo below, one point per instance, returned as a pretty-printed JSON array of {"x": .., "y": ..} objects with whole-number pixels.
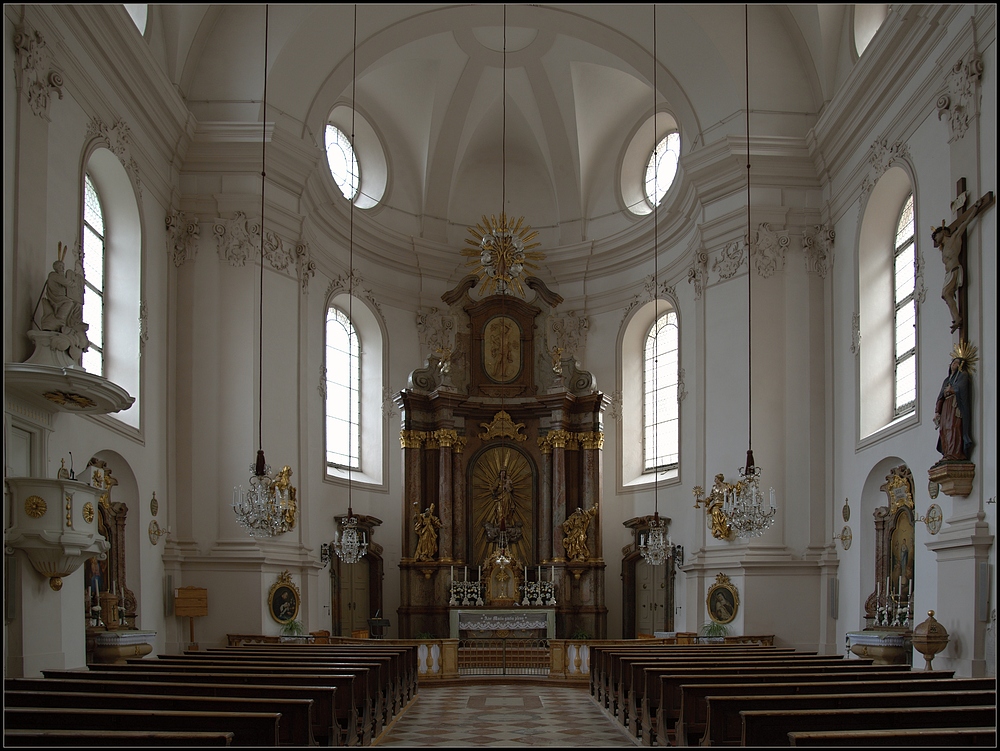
[
  {"x": 261, "y": 464},
  {"x": 656, "y": 274},
  {"x": 350, "y": 278},
  {"x": 750, "y": 463}
]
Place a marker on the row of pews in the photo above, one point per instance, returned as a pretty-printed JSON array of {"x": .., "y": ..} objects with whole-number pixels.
[
  {"x": 250, "y": 695},
  {"x": 739, "y": 695}
]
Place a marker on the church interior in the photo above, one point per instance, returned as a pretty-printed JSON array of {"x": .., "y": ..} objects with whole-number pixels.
[{"x": 589, "y": 322}]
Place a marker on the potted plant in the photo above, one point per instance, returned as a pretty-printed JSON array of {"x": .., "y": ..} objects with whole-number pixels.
[
  {"x": 714, "y": 631},
  {"x": 291, "y": 630}
]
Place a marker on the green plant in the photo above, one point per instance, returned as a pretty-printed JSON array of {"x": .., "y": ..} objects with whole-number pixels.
[
  {"x": 292, "y": 628},
  {"x": 424, "y": 635},
  {"x": 580, "y": 634},
  {"x": 714, "y": 629}
]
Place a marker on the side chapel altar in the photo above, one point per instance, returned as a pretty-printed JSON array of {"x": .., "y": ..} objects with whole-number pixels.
[{"x": 502, "y": 439}]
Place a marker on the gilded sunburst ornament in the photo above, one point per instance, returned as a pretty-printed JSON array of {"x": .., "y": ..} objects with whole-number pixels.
[
  {"x": 502, "y": 250},
  {"x": 34, "y": 506}
]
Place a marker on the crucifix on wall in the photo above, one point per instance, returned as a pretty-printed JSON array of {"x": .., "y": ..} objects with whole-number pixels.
[{"x": 950, "y": 238}]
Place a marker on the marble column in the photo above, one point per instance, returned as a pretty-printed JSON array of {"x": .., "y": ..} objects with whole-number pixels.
[
  {"x": 458, "y": 544},
  {"x": 545, "y": 501},
  {"x": 445, "y": 439},
  {"x": 591, "y": 443},
  {"x": 412, "y": 442},
  {"x": 559, "y": 439}
]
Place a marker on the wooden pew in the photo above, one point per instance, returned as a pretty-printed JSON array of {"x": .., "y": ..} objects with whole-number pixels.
[
  {"x": 325, "y": 728},
  {"x": 248, "y": 728},
  {"x": 664, "y": 720},
  {"x": 604, "y": 661},
  {"x": 294, "y": 729},
  {"x": 725, "y": 720},
  {"x": 351, "y": 695},
  {"x": 692, "y": 726},
  {"x": 129, "y": 738},
  {"x": 771, "y": 727},
  {"x": 640, "y": 680},
  {"x": 365, "y": 688},
  {"x": 406, "y": 655},
  {"x": 378, "y": 676},
  {"x": 389, "y": 677},
  {"x": 986, "y": 737}
]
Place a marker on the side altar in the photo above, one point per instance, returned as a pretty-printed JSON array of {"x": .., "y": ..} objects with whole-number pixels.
[{"x": 502, "y": 441}]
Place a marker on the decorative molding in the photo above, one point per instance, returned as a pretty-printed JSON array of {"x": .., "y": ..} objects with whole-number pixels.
[
  {"x": 388, "y": 403},
  {"x": 615, "y": 405},
  {"x": 730, "y": 261},
  {"x": 698, "y": 273},
  {"x": 183, "y": 234},
  {"x": 342, "y": 284},
  {"x": 681, "y": 392},
  {"x": 143, "y": 326},
  {"x": 919, "y": 287},
  {"x": 117, "y": 139},
  {"x": 882, "y": 156},
  {"x": 237, "y": 239},
  {"x": 305, "y": 266},
  {"x": 959, "y": 102},
  {"x": 644, "y": 295},
  {"x": 569, "y": 333},
  {"x": 435, "y": 330},
  {"x": 856, "y": 333},
  {"x": 818, "y": 248},
  {"x": 322, "y": 382},
  {"x": 36, "y": 78},
  {"x": 502, "y": 425},
  {"x": 768, "y": 250}
]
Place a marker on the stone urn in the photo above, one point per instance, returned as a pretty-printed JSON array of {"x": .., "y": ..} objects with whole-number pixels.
[{"x": 929, "y": 638}]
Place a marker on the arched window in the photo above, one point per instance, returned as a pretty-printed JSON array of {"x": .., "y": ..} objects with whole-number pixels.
[
  {"x": 660, "y": 407},
  {"x": 888, "y": 289},
  {"x": 111, "y": 237},
  {"x": 355, "y": 398},
  {"x": 343, "y": 392},
  {"x": 93, "y": 273},
  {"x": 905, "y": 312}
]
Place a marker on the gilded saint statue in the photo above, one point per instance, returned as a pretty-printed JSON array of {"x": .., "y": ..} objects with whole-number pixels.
[
  {"x": 284, "y": 494},
  {"x": 575, "y": 527},
  {"x": 713, "y": 504},
  {"x": 426, "y": 525}
]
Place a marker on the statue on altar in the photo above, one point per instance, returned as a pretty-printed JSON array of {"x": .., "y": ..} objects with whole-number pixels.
[
  {"x": 575, "y": 527},
  {"x": 426, "y": 525}
]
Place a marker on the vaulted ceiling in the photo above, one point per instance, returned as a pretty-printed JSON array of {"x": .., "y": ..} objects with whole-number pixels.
[{"x": 545, "y": 127}]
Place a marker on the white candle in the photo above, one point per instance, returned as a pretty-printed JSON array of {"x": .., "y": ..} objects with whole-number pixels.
[
  {"x": 479, "y": 575},
  {"x": 553, "y": 574},
  {"x": 452, "y": 574},
  {"x": 539, "y": 573},
  {"x": 525, "y": 573},
  {"x": 877, "y": 588},
  {"x": 466, "y": 573},
  {"x": 909, "y": 589}
]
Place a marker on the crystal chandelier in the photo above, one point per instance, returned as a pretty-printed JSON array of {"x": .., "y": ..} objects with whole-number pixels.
[
  {"x": 350, "y": 544},
  {"x": 744, "y": 505},
  {"x": 267, "y": 507}
]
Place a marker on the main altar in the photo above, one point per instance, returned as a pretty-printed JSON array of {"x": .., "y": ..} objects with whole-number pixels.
[{"x": 502, "y": 451}]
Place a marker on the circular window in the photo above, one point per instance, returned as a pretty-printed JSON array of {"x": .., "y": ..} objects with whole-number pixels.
[
  {"x": 343, "y": 162},
  {"x": 662, "y": 167}
]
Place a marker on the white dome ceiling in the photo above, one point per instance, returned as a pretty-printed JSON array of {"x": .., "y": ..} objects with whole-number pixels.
[{"x": 578, "y": 82}]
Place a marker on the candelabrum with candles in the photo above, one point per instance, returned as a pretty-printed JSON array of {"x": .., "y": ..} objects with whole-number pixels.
[{"x": 466, "y": 593}]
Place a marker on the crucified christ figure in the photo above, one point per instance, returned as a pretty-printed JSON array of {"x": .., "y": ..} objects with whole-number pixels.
[{"x": 950, "y": 238}]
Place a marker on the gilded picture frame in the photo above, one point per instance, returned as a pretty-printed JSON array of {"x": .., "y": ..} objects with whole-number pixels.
[
  {"x": 283, "y": 600},
  {"x": 723, "y": 600}
]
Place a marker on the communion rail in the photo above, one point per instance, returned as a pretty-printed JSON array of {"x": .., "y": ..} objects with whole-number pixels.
[{"x": 503, "y": 656}]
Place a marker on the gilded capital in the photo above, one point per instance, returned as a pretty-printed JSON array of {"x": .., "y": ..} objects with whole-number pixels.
[{"x": 592, "y": 440}]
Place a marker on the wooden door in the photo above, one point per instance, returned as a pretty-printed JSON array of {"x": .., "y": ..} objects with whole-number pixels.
[
  {"x": 650, "y": 598},
  {"x": 354, "y": 597}
]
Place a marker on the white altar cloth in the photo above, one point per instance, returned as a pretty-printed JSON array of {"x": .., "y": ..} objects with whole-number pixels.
[{"x": 492, "y": 619}]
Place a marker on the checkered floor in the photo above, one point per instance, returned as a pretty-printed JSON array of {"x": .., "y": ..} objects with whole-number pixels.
[{"x": 505, "y": 715}]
